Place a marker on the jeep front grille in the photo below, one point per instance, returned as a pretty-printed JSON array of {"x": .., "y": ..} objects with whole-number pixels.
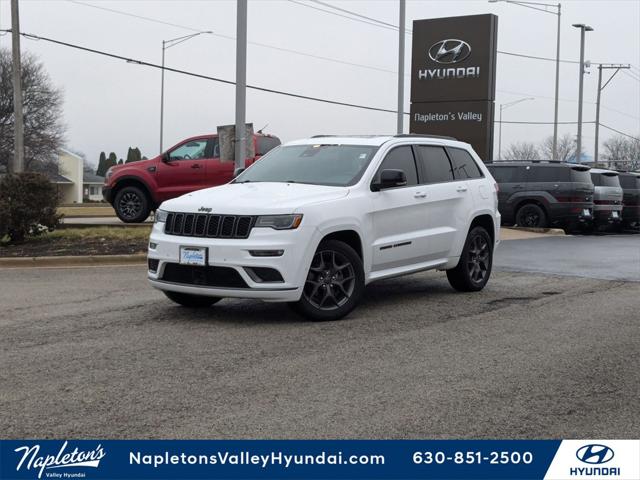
[{"x": 209, "y": 225}]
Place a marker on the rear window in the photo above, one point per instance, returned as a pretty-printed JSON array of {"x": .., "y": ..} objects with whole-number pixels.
[
  {"x": 629, "y": 181},
  {"x": 581, "y": 176},
  {"x": 464, "y": 166},
  {"x": 264, "y": 144},
  {"x": 602, "y": 180}
]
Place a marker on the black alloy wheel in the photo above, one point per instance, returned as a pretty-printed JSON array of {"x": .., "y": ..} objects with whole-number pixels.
[
  {"x": 330, "y": 281},
  {"x": 474, "y": 267},
  {"x": 334, "y": 283},
  {"x": 531, "y": 216},
  {"x": 132, "y": 205}
]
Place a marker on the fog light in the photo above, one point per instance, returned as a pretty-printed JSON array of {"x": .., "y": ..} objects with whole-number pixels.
[
  {"x": 266, "y": 253},
  {"x": 153, "y": 264},
  {"x": 153, "y": 246}
]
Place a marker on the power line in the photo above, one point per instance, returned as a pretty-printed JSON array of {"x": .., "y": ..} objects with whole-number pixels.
[
  {"x": 231, "y": 37},
  {"x": 258, "y": 88},
  {"x": 375, "y": 23},
  {"x": 358, "y": 15},
  {"x": 618, "y": 131},
  {"x": 205, "y": 77},
  {"x": 631, "y": 75}
]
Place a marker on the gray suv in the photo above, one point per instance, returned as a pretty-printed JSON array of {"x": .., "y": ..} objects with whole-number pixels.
[
  {"x": 544, "y": 194},
  {"x": 607, "y": 208}
]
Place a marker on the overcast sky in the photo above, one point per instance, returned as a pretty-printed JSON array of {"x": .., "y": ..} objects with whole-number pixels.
[{"x": 111, "y": 105}]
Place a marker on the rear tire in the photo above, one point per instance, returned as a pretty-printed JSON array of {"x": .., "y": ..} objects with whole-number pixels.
[
  {"x": 334, "y": 285},
  {"x": 191, "y": 301},
  {"x": 531, "y": 215},
  {"x": 474, "y": 267},
  {"x": 132, "y": 204}
]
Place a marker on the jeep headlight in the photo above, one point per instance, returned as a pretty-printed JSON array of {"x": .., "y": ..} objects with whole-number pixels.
[
  {"x": 279, "y": 222},
  {"x": 160, "y": 216}
]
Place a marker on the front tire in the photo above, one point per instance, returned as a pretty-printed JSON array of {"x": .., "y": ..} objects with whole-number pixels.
[
  {"x": 474, "y": 267},
  {"x": 132, "y": 204},
  {"x": 191, "y": 301},
  {"x": 334, "y": 285}
]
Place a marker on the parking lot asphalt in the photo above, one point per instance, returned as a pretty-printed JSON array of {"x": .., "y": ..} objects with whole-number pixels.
[{"x": 94, "y": 352}]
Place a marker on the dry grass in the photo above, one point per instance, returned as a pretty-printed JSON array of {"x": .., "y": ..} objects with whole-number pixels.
[
  {"x": 105, "y": 210},
  {"x": 106, "y": 232}
]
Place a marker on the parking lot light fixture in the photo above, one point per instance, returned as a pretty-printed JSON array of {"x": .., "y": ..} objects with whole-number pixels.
[
  {"x": 168, "y": 44},
  {"x": 504, "y": 106}
]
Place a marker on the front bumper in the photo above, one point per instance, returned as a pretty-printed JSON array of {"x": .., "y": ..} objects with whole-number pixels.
[
  {"x": 107, "y": 194},
  {"x": 298, "y": 246}
]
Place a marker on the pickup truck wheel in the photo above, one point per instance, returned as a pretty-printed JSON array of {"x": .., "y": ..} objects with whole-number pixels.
[
  {"x": 132, "y": 205},
  {"x": 191, "y": 301},
  {"x": 334, "y": 284},
  {"x": 474, "y": 268},
  {"x": 531, "y": 216}
]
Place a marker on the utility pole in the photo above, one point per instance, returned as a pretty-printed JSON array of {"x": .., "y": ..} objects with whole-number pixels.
[
  {"x": 400, "y": 127},
  {"x": 601, "y": 87},
  {"x": 18, "y": 155},
  {"x": 555, "y": 107},
  {"x": 241, "y": 83},
  {"x": 504, "y": 106},
  {"x": 583, "y": 28}
]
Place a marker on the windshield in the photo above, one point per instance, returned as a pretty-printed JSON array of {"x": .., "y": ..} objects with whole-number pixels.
[{"x": 332, "y": 165}]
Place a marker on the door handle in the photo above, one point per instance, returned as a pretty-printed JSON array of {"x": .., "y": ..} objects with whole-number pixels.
[
  {"x": 420, "y": 195},
  {"x": 461, "y": 188},
  {"x": 196, "y": 165}
]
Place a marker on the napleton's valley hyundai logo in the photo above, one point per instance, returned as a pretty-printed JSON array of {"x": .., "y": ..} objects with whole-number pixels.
[
  {"x": 594, "y": 454},
  {"x": 449, "y": 51},
  {"x": 31, "y": 458}
]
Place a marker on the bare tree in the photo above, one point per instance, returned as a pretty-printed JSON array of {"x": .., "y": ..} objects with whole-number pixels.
[
  {"x": 622, "y": 152},
  {"x": 522, "y": 151},
  {"x": 566, "y": 148},
  {"x": 43, "y": 126}
]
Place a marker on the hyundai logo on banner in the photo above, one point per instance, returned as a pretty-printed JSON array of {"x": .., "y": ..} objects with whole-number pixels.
[
  {"x": 449, "y": 51},
  {"x": 594, "y": 454}
]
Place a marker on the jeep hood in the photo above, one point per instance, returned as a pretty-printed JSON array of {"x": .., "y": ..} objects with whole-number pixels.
[{"x": 259, "y": 198}]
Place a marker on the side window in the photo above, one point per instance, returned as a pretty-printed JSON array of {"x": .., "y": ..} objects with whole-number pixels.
[
  {"x": 192, "y": 150},
  {"x": 464, "y": 166},
  {"x": 548, "y": 174},
  {"x": 265, "y": 144},
  {"x": 506, "y": 174},
  {"x": 435, "y": 164},
  {"x": 401, "y": 158}
]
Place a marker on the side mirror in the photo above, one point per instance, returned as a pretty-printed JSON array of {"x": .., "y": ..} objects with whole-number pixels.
[
  {"x": 165, "y": 157},
  {"x": 238, "y": 171},
  {"x": 390, "y": 178}
]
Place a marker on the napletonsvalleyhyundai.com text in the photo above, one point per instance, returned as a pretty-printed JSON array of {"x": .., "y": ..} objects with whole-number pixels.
[{"x": 278, "y": 459}]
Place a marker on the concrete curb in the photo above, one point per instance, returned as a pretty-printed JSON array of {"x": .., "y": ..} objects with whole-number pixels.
[
  {"x": 67, "y": 261},
  {"x": 546, "y": 231}
]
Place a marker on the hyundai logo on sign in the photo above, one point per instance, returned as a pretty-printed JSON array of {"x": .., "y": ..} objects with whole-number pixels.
[
  {"x": 449, "y": 51},
  {"x": 594, "y": 454}
]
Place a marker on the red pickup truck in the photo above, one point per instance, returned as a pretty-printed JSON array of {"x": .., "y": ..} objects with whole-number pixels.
[{"x": 134, "y": 189}]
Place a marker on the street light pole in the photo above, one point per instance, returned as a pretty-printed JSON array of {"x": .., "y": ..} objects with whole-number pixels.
[
  {"x": 543, "y": 7},
  {"x": 168, "y": 44},
  {"x": 583, "y": 28},
  {"x": 400, "y": 123},
  {"x": 600, "y": 88},
  {"x": 241, "y": 84},
  {"x": 555, "y": 108},
  {"x": 18, "y": 114},
  {"x": 503, "y": 107}
]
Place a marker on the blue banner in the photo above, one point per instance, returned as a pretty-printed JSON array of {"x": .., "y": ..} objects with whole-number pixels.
[{"x": 312, "y": 459}]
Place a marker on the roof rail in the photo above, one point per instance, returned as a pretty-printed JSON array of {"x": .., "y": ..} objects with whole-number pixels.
[
  {"x": 424, "y": 135},
  {"x": 320, "y": 136}
]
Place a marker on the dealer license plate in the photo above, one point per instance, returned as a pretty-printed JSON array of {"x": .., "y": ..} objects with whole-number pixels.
[
  {"x": 193, "y": 255},
  {"x": 614, "y": 214}
]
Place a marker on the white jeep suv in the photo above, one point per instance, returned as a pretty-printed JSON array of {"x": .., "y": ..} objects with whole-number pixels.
[{"x": 316, "y": 220}]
